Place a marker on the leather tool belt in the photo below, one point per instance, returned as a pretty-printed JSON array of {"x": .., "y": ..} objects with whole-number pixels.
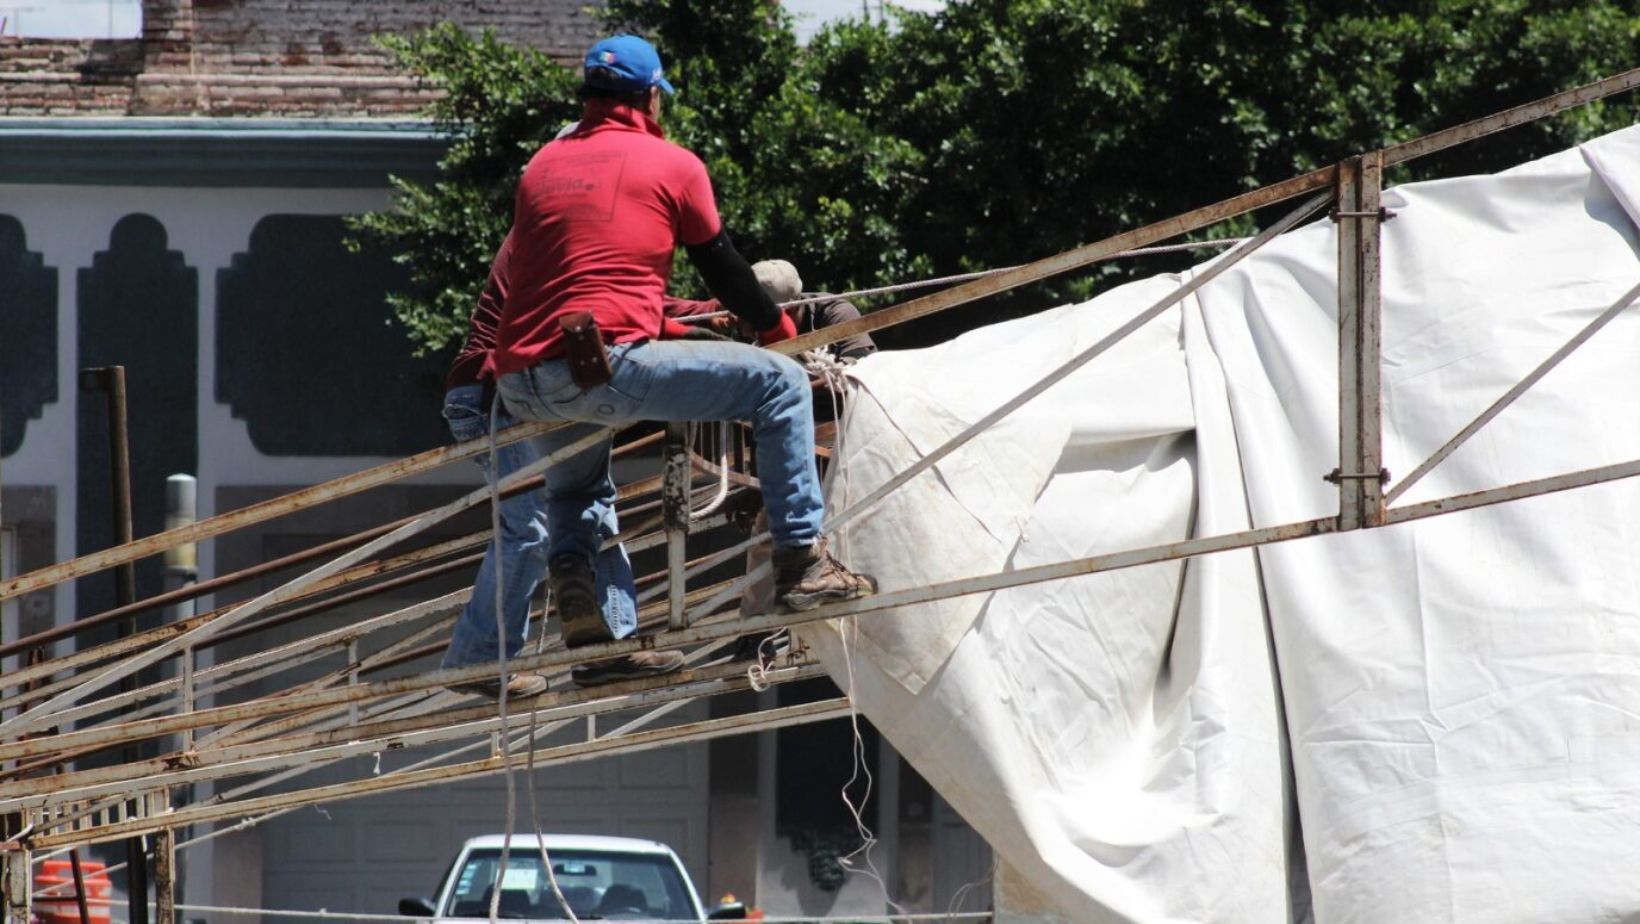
[{"x": 584, "y": 349}]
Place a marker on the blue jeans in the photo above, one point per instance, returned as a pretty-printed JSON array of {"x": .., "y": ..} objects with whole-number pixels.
[
  {"x": 673, "y": 380},
  {"x": 523, "y": 546}
]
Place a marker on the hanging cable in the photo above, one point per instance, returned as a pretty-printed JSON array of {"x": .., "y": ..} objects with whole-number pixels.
[
  {"x": 504, "y": 742},
  {"x": 967, "y": 277}
]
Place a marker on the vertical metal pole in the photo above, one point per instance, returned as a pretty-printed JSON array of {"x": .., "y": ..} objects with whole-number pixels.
[
  {"x": 181, "y": 570},
  {"x": 165, "y": 898},
  {"x": 675, "y": 516},
  {"x": 79, "y": 885},
  {"x": 353, "y": 678},
  {"x": 111, "y": 380},
  {"x": 1360, "y": 404},
  {"x": 1349, "y": 324},
  {"x": 1371, "y": 327},
  {"x": 187, "y": 681},
  {"x": 18, "y": 887}
]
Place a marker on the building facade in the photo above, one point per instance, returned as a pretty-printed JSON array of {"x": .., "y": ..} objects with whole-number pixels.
[{"x": 175, "y": 205}]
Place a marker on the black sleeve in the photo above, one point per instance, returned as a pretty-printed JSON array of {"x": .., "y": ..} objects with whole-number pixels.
[
  {"x": 730, "y": 279},
  {"x": 836, "y": 312}
]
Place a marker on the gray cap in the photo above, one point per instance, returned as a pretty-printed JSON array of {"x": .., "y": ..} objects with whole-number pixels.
[{"x": 779, "y": 279}]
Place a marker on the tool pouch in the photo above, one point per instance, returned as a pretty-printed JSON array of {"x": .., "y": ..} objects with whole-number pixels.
[{"x": 584, "y": 348}]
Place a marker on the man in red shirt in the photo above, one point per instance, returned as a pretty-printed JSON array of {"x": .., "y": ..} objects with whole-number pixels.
[
  {"x": 598, "y": 216},
  {"x": 516, "y": 558}
]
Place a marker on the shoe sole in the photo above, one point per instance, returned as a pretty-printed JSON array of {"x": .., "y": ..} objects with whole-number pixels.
[
  {"x": 802, "y": 603},
  {"x": 582, "y": 679},
  {"x": 495, "y": 692}
]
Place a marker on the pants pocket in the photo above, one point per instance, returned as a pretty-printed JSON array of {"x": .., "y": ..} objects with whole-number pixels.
[{"x": 466, "y": 419}]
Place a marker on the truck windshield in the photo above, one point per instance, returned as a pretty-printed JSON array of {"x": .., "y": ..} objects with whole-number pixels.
[{"x": 596, "y": 884}]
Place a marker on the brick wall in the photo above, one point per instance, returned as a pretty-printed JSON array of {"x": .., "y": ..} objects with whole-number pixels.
[{"x": 277, "y": 58}]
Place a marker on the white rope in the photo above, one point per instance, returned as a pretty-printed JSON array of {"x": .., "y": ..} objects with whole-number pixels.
[
  {"x": 535, "y": 819},
  {"x": 722, "y": 495},
  {"x": 966, "y": 277},
  {"x": 274, "y": 912},
  {"x": 833, "y": 373},
  {"x": 402, "y": 919},
  {"x": 961, "y": 895},
  {"x": 868, "y": 838}
]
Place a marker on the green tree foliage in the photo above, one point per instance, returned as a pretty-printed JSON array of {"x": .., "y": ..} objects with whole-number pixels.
[
  {"x": 998, "y": 131},
  {"x": 1048, "y": 123},
  {"x": 499, "y": 104},
  {"x": 797, "y": 174}
]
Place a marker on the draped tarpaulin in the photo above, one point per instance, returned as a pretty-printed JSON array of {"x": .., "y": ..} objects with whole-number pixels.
[{"x": 1453, "y": 733}]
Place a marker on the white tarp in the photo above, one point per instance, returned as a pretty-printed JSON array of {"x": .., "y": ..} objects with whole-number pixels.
[{"x": 1453, "y": 733}]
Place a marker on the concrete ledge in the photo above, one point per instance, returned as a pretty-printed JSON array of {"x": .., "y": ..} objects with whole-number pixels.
[{"x": 316, "y": 153}]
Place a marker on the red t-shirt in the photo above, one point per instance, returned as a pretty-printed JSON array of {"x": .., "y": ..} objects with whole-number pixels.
[{"x": 598, "y": 215}]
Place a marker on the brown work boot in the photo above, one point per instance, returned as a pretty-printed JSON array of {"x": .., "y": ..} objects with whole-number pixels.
[
  {"x": 575, "y": 597},
  {"x": 518, "y": 686},
  {"x": 808, "y": 576},
  {"x": 626, "y": 667}
]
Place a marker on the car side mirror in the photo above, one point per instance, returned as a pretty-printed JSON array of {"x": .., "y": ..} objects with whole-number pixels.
[
  {"x": 416, "y": 907},
  {"x": 728, "y": 911}
]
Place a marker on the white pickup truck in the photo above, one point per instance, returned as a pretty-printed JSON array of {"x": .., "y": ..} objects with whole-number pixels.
[{"x": 608, "y": 878}]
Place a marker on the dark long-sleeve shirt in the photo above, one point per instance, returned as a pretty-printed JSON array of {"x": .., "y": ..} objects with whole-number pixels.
[{"x": 819, "y": 315}]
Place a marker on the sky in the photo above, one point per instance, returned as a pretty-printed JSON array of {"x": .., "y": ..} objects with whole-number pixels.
[
  {"x": 123, "y": 18},
  {"x": 72, "y": 18},
  {"x": 811, "y": 14}
]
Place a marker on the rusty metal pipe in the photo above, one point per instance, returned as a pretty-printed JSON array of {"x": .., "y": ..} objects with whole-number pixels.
[
  {"x": 162, "y": 633},
  {"x": 273, "y": 508},
  {"x": 265, "y": 510},
  {"x": 196, "y": 590},
  {"x": 570, "y": 753},
  {"x": 370, "y": 737}
]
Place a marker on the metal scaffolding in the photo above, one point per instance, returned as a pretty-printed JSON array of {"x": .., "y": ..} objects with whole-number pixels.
[{"x": 202, "y": 725}]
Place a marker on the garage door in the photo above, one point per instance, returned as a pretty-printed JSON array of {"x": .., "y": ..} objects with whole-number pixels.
[{"x": 366, "y": 854}]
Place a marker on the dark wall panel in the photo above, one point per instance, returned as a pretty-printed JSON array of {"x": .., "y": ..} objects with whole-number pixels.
[
  {"x": 28, "y": 335},
  {"x": 138, "y": 308},
  {"x": 307, "y": 356}
]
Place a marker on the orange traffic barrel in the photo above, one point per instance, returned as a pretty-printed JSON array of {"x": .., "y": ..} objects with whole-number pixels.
[{"x": 54, "y": 900}]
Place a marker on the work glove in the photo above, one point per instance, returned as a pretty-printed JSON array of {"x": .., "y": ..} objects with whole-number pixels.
[
  {"x": 785, "y": 330},
  {"x": 728, "y": 326},
  {"x": 676, "y": 330}
]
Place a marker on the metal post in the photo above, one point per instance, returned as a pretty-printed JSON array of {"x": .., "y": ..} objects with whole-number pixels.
[
  {"x": 353, "y": 678},
  {"x": 675, "y": 515},
  {"x": 1360, "y": 475},
  {"x": 79, "y": 885},
  {"x": 111, "y": 380},
  {"x": 18, "y": 887},
  {"x": 165, "y": 899},
  {"x": 182, "y": 570}
]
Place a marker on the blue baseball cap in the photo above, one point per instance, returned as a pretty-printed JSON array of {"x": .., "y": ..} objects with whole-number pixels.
[{"x": 624, "y": 64}]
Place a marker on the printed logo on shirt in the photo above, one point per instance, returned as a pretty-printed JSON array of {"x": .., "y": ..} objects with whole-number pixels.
[{"x": 584, "y": 186}]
